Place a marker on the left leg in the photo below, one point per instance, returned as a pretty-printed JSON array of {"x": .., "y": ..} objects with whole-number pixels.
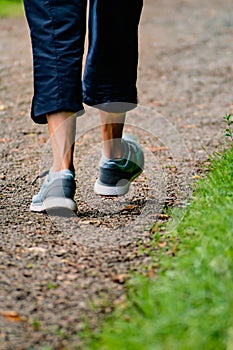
[
  {"x": 110, "y": 85},
  {"x": 112, "y": 125},
  {"x": 110, "y": 74}
]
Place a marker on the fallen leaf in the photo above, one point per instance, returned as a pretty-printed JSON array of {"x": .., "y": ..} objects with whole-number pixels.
[
  {"x": 163, "y": 216},
  {"x": 11, "y": 315},
  {"x": 148, "y": 189},
  {"x": 139, "y": 180},
  {"x": 94, "y": 222},
  {"x": 121, "y": 278},
  {"x": 5, "y": 140},
  {"x": 71, "y": 263},
  {"x": 188, "y": 126},
  {"x": 156, "y": 103},
  {"x": 162, "y": 244},
  {"x": 157, "y": 149},
  {"x": 129, "y": 207}
]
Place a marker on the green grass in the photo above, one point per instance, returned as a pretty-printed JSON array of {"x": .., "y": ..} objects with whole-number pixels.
[
  {"x": 189, "y": 305},
  {"x": 11, "y": 8}
]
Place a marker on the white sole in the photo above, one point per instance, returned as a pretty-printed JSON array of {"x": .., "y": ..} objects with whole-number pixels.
[
  {"x": 118, "y": 190},
  {"x": 54, "y": 203}
]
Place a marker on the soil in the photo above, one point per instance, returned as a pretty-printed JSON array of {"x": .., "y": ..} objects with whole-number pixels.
[{"x": 58, "y": 274}]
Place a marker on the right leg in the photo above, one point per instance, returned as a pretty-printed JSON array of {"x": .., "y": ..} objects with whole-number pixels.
[
  {"x": 57, "y": 31},
  {"x": 62, "y": 128},
  {"x": 57, "y": 34}
]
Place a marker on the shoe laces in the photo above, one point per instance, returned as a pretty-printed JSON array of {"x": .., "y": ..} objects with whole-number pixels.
[{"x": 40, "y": 176}]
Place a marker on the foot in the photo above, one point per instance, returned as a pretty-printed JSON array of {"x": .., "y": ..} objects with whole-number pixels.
[
  {"x": 57, "y": 192},
  {"x": 115, "y": 176}
]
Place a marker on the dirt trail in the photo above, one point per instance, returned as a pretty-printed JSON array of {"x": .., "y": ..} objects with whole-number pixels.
[{"x": 56, "y": 273}]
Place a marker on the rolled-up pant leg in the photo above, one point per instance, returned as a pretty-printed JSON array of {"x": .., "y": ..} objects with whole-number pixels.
[
  {"x": 111, "y": 66},
  {"x": 57, "y": 33}
]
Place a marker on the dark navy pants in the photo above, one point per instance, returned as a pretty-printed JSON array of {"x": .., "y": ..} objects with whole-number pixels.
[{"x": 58, "y": 30}]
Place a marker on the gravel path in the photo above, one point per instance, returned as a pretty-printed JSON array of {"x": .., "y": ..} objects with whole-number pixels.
[{"x": 59, "y": 273}]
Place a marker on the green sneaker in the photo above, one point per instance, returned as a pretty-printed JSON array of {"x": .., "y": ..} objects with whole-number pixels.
[{"x": 115, "y": 176}]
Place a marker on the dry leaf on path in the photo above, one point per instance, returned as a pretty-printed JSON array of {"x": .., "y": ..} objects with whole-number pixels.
[
  {"x": 11, "y": 315},
  {"x": 5, "y": 140},
  {"x": 163, "y": 216},
  {"x": 121, "y": 278},
  {"x": 157, "y": 149},
  {"x": 129, "y": 207},
  {"x": 188, "y": 126},
  {"x": 162, "y": 244}
]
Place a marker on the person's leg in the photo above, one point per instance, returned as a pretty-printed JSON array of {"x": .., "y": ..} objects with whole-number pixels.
[
  {"x": 110, "y": 74},
  {"x": 62, "y": 127},
  {"x": 57, "y": 30},
  {"x": 109, "y": 84},
  {"x": 57, "y": 33},
  {"x": 112, "y": 125}
]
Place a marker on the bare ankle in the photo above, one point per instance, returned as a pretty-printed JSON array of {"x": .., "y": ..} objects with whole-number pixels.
[{"x": 112, "y": 125}]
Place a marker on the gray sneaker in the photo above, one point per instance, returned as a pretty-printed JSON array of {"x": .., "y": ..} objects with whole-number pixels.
[
  {"x": 57, "y": 192},
  {"x": 115, "y": 176}
]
